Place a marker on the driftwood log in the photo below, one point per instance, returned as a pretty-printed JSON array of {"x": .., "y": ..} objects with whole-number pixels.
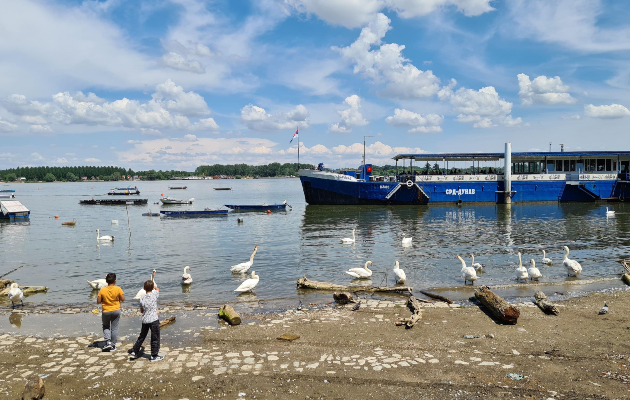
[
  {"x": 501, "y": 309},
  {"x": 167, "y": 322},
  {"x": 544, "y": 304},
  {"x": 437, "y": 297},
  {"x": 228, "y": 314},
  {"x": 305, "y": 283},
  {"x": 5, "y": 282},
  {"x": 344, "y": 298},
  {"x": 626, "y": 278},
  {"x": 416, "y": 312},
  {"x": 27, "y": 290}
]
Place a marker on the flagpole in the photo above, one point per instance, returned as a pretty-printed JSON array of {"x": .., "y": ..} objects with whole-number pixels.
[{"x": 298, "y": 153}]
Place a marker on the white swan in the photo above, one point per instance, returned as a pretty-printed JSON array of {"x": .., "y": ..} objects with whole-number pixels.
[
  {"x": 406, "y": 240},
  {"x": 478, "y": 267},
  {"x": 186, "y": 278},
  {"x": 248, "y": 284},
  {"x": 103, "y": 238},
  {"x": 609, "y": 213},
  {"x": 142, "y": 292},
  {"x": 399, "y": 274},
  {"x": 521, "y": 272},
  {"x": 468, "y": 273},
  {"x": 573, "y": 267},
  {"x": 15, "y": 295},
  {"x": 534, "y": 273},
  {"x": 97, "y": 283},
  {"x": 348, "y": 240},
  {"x": 243, "y": 267},
  {"x": 546, "y": 260},
  {"x": 361, "y": 273}
]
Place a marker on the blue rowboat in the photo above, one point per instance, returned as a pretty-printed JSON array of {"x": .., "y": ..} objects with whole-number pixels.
[
  {"x": 258, "y": 207},
  {"x": 7, "y": 191},
  {"x": 193, "y": 213}
]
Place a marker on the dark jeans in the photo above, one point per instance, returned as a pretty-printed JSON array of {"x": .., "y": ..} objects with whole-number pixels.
[{"x": 155, "y": 337}]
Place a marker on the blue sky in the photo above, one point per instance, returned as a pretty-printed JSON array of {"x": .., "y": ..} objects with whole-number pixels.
[{"x": 179, "y": 83}]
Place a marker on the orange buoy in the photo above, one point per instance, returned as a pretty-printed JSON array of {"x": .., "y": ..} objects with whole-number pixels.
[
  {"x": 268, "y": 211},
  {"x": 56, "y": 217}
]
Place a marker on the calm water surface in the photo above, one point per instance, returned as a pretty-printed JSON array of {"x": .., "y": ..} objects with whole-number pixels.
[{"x": 304, "y": 241}]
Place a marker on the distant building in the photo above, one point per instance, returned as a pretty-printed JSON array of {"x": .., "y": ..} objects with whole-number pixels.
[{"x": 84, "y": 178}]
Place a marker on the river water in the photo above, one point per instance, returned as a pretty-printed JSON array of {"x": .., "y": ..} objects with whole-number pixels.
[{"x": 303, "y": 241}]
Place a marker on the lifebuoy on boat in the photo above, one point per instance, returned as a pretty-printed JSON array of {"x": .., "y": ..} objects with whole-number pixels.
[{"x": 409, "y": 183}]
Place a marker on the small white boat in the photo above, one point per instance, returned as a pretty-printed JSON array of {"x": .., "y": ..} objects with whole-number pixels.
[{"x": 170, "y": 200}]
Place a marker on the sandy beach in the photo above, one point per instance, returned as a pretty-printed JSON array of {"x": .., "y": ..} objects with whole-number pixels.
[{"x": 454, "y": 352}]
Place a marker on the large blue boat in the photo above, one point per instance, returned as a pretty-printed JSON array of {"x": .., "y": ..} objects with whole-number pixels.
[{"x": 531, "y": 177}]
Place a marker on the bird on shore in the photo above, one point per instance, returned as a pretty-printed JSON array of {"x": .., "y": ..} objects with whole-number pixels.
[
  {"x": 349, "y": 240},
  {"x": 15, "y": 295},
  {"x": 573, "y": 267},
  {"x": 546, "y": 260},
  {"x": 604, "y": 310},
  {"x": 97, "y": 284},
  {"x": 103, "y": 238},
  {"x": 142, "y": 292},
  {"x": 521, "y": 272},
  {"x": 357, "y": 306},
  {"x": 361, "y": 273},
  {"x": 186, "y": 278},
  {"x": 248, "y": 284},
  {"x": 534, "y": 273},
  {"x": 245, "y": 266},
  {"x": 478, "y": 267},
  {"x": 406, "y": 241},
  {"x": 468, "y": 273},
  {"x": 299, "y": 307},
  {"x": 609, "y": 213},
  {"x": 399, "y": 274}
]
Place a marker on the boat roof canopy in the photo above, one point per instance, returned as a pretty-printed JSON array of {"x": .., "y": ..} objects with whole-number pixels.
[{"x": 516, "y": 156}]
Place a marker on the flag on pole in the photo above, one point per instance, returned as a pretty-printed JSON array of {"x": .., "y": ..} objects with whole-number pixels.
[{"x": 294, "y": 135}]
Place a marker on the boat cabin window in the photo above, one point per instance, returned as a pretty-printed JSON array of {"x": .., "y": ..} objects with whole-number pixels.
[
  {"x": 559, "y": 165},
  {"x": 551, "y": 166},
  {"x": 609, "y": 165}
]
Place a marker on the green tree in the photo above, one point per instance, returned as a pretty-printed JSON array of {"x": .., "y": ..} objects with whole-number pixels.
[
  {"x": 11, "y": 177},
  {"x": 49, "y": 177},
  {"x": 70, "y": 177}
]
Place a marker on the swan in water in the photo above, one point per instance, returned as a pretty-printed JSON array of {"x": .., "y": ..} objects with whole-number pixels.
[
  {"x": 609, "y": 213},
  {"x": 103, "y": 238},
  {"x": 248, "y": 284},
  {"x": 468, "y": 273},
  {"x": 348, "y": 240},
  {"x": 406, "y": 240},
  {"x": 186, "y": 278},
  {"x": 361, "y": 273},
  {"x": 573, "y": 267},
  {"x": 243, "y": 267},
  {"x": 478, "y": 267},
  {"x": 534, "y": 273},
  {"x": 15, "y": 295},
  {"x": 546, "y": 260},
  {"x": 399, "y": 274},
  {"x": 97, "y": 284},
  {"x": 142, "y": 292},
  {"x": 521, "y": 272}
]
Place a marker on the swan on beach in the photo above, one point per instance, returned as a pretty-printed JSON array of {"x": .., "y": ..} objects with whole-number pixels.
[
  {"x": 349, "y": 240},
  {"x": 248, "y": 284},
  {"x": 609, "y": 213},
  {"x": 406, "y": 240},
  {"x": 186, "y": 278},
  {"x": 142, "y": 292},
  {"x": 360, "y": 273},
  {"x": 521, "y": 272},
  {"x": 546, "y": 260},
  {"x": 534, "y": 273},
  {"x": 103, "y": 238},
  {"x": 97, "y": 284},
  {"x": 573, "y": 267},
  {"x": 478, "y": 267},
  {"x": 399, "y": 274},
  {"x": 468, "y": 273},
  {"x": 243, "y": 267},
  {"x": 15, "y": 295}
]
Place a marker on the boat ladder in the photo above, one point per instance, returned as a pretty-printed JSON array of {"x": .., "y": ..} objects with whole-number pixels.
[{"x": 395, "y": 189}]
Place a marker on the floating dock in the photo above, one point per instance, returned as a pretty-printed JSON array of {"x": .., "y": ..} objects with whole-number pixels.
[
  {"x": 13, "y": 210},
  {"x": 115, "y": 202}
]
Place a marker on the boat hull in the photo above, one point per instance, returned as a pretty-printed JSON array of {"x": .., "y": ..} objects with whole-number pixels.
[
  {"x": 194, "y": 214},
  {"x": 256, "y": 207}
]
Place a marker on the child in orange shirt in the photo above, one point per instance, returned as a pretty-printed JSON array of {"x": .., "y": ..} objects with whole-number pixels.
[{"x": 110, "y": 297}]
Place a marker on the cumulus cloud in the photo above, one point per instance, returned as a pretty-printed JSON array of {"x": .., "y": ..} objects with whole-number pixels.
[
  {"x": 415, "y": 122},
  {"x": 543, "y": 90},
  {"x": 177, "y": 61},
  {"x": 36, "y": 157},
  {"x": 350, "y": 117},
  {"x": 258, "y": 119},
  {"x": 61, "y": 160},
  {"x": 606, "y": 111},
  {"x": 386, "y": 65},
  {"x": 355, "y": 13},
  {"x": 92, "y": 160},
  {"x": 40, "y": 129},
  {"x": 7, "y": 126}
]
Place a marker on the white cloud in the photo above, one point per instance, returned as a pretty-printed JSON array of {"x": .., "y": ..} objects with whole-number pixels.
[
  {"x": 61, "y": 160},
  {"x": 605, "y": 111},
  {"x": 387, "y": 65},
  {"x": 35, "y": 120},
  {"x": 7, "y": 126},
  {"x": 415, "y": 122},
  {"x": 574, "y": 117},
  {"x": 350, "y": 117},
  {"x": 543, "y": 90},
  {"x": 257, "y": 119},
  {"x": 261, "y": 150},
  {"x": 40, "y": 129},
  {"x": 92, "y": 160},
  {"x": 177, "y": 61},
  {"x": 36, "y": 157},
  {"x": 355, "y": 13},
  {"x": 173, "y": 98}
]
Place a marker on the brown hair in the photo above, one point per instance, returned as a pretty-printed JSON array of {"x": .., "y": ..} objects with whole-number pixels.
[
  {"x": 110, "y": 278},
  {"x": 148, "y": 286}
]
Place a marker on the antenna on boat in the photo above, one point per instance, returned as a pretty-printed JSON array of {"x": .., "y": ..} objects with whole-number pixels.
[
  {"x": 364, "y": 155},
  {"x": 550, "y": 147}
]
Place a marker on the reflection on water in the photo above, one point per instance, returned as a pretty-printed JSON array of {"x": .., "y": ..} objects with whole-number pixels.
[{"x": 15, "y": 319}]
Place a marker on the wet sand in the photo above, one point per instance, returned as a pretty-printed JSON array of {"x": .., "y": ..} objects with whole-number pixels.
[{"x": 341, "y": 354}]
